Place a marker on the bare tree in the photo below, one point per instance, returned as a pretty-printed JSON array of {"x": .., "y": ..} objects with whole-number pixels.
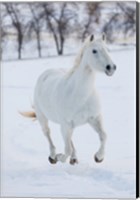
[
  {"x": 110, "y": 26},
  {"x": 36, "y": 23},
  {"x": 128, "y": 10},
  {"x": 91, "y": 18},
  {"x": 123, "y": 20},
  {"x": 2, "y": 30},
  {"x": 58, "y": 19},
  {"x": 17, "y": 22},
  {"x": 2, "y": 39}
]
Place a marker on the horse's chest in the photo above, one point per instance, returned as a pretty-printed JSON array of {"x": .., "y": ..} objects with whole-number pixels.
[
  {"x": 81, "y": 117},
  {"x": 80, "y": 114}
]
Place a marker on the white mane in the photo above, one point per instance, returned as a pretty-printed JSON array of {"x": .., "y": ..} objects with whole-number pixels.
[{"x": 79, "y": 57}]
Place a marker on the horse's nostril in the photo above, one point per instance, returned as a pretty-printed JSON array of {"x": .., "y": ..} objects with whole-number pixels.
[
  {"x": 108, "y": 67},
  {"x": 115, "y": 67}
]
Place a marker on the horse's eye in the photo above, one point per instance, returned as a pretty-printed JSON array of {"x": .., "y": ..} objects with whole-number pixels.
[{"x": 94, "y": 51}]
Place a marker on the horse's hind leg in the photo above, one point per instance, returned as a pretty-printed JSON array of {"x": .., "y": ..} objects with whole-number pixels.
[
  {"x": 52, "y": 157},
  {"x": 46, "y": 130},
  {"x": 97, "y": 125}
]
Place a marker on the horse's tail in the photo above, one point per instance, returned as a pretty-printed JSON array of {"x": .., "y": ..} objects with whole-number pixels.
[{"x": 29, "y": 114}]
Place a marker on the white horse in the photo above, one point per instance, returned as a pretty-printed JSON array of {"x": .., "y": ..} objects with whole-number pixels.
[{"x": 70, "y": 99}]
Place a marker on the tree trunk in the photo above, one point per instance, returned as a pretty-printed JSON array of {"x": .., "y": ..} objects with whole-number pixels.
[
  {"x": 20, "y": 40},
  {"x": 19, "y": 52},
  {"x": 57, "y": 44},
  {"x": 38, "y": 44},
  {"x": 60, "y": 52},
  {"x": 61, "y": 45}
]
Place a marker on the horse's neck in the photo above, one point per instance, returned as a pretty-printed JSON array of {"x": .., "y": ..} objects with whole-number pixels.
[{"x": 83, "y": 78}]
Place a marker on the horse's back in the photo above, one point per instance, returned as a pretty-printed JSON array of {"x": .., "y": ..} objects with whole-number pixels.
[{"x": 48, "y": 77}]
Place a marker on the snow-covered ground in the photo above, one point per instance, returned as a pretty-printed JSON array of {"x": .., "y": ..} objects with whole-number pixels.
[{"x": 26, "y": 171}]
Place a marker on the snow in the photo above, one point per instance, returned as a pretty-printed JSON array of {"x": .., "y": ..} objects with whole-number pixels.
[{"x": 26, "y": 171}]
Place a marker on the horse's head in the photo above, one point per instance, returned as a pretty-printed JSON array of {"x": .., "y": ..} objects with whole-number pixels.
[{"x": 97, "y": 57}]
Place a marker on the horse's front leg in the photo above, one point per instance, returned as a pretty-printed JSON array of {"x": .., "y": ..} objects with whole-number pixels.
[
  {"x": 69, "y": 147},
  {"x": 96, "y": 123}
]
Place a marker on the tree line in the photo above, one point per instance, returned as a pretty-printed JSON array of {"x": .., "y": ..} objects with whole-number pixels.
[{"x": 62, "y": 19}]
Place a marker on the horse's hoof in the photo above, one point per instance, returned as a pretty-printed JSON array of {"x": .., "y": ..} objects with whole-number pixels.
[
  {"x": 97, "y": 159},
  {"x": 52, "y": 161},
  {"x": 73, "y": 161}
]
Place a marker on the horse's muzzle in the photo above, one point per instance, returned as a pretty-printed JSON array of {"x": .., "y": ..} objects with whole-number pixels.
[{"x": 110, "y": 70}]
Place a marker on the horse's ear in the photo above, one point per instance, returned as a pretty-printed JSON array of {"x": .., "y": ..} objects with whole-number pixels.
[
  {"x": 92, "y": 37},
  {"x": 104, "y": 37}
]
